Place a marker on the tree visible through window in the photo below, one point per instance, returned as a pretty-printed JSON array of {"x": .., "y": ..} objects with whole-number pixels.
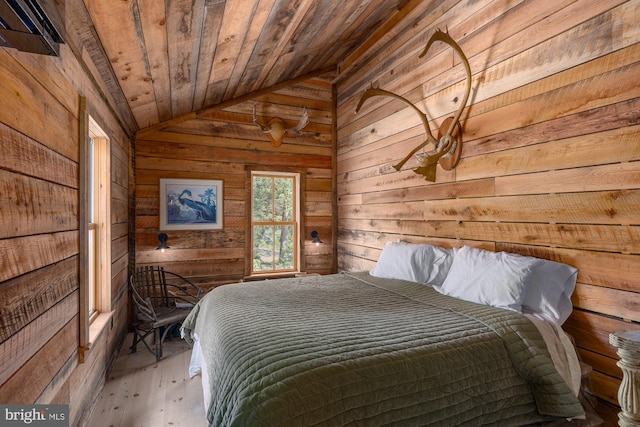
[{"x": 274, "y": 222}]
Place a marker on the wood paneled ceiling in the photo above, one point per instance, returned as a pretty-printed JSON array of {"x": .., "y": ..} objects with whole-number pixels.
[{"x": 164, "y": 59}]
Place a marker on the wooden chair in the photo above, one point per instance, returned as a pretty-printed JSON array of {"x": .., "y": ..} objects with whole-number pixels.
[{"x": 161, "y": 299}]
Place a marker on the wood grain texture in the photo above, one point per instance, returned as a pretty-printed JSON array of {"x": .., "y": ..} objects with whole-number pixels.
[
  {"x": 153, "y": 25},
  {"x": 185, "y": 26},
  {"x": 606, "y": 207},
  {"x": 26, "y": 156},
  {"x": 26, "y": 106},
  {"x": 119, "y": 35},
  {"x": 550, "y": 161},
  {"x": 32, "y": 379},
  {"x": 549, "y": 168},
  {"x": 30, "y": 205},
  {"x": 84, "y": 43},
  {"x": 223, "y": 143},
  {"x": 26, "y": 297},
  {"x": 162, "y": 63},
  {"x": 24, "y": 254},
  {"x": 126, "y": 401},
  {"x": 39, "y": 221},
  {"x": 24, "y": 344}
]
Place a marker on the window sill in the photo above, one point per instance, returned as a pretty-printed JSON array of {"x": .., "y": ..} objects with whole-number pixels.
[
  {"x": 98, "y": 325},
  {"x": 266, "y": 276},
  {"x": 258, "y": 277}
]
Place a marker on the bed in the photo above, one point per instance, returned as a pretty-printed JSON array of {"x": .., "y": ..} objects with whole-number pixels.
[{"x": 365, "y": 349}]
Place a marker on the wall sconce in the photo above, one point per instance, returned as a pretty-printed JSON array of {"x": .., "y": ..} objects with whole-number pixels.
[
  {"x": 162, "y": 237},
  {"x": 316, "y": 238}
]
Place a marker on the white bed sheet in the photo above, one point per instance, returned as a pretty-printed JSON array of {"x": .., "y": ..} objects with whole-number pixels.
[
  {"x": 562, "y": 351},
  {"x": 197, "y": 366}
]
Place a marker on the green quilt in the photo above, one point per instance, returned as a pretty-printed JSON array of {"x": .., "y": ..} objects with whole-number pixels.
[{"x": 352, "y": 349}]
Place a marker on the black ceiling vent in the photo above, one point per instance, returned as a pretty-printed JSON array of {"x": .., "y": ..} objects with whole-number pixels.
[{"x": 26, "y": 25}]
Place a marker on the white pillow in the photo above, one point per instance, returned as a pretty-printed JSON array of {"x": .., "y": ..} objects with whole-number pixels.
[
  {"x": 419, "y": 263},
  {"x": 549, "y": 291},
  {"x": 498, "y": 279}
]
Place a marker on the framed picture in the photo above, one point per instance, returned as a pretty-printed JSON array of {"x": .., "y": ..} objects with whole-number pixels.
[{"x": 190, "y": 204}]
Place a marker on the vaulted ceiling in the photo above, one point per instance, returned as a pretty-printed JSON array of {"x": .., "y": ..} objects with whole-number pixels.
[{"x": 163, "y": 59}]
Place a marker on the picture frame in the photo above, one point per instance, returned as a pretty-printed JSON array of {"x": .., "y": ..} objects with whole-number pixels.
[{"x": 190, "y": 204}]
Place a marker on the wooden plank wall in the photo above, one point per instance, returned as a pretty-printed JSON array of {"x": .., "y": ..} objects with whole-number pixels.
[
  {"x": 39, "y": 233},
  {"x": 550, "y": 162},
  {"x": 222, "y": 143}
]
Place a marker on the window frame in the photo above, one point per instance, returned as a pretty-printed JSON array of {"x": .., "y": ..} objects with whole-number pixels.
[
  {"x": 94, "y": 214},
  {"x": 298, "y": 177}
]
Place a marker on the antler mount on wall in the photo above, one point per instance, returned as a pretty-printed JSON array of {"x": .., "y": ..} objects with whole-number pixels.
[
  {"x": 276, "y": 129},
  {"x": 449, "y": 142}
]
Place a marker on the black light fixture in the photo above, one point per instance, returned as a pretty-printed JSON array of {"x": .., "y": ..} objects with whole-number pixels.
[
  {"x": 162, "y": 237},
  {"x": 316, "y": 237}
]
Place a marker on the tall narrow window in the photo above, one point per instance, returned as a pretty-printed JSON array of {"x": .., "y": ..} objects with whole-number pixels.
[
  {"x": 275, "y": 222},
  {"x": 95, "y": 230},
  {"x": 92, "y": 228},
  {"x": 99, "y": 221}
]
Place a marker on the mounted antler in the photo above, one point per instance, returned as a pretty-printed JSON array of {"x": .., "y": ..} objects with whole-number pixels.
[
  {"x": 275, "y": 127},
  {"x": 450, "y": 136},
  {"x": 256, "y": 122},
  {"x": 302, "y": 123}
]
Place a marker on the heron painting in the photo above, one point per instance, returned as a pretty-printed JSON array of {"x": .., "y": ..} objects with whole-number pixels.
[{"x": 190, "y": 204}]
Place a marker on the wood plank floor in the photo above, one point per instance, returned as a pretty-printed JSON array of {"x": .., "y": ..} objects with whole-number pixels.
[{"x": 143, "y": 393}]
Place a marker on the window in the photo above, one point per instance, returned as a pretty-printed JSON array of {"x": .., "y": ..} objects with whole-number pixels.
[
  {"x": 275, "y": 227},
  {"x": 95, "y": 231},
  {"x": 98, "y": 222},
  {"x": 92, "y": 247}
]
